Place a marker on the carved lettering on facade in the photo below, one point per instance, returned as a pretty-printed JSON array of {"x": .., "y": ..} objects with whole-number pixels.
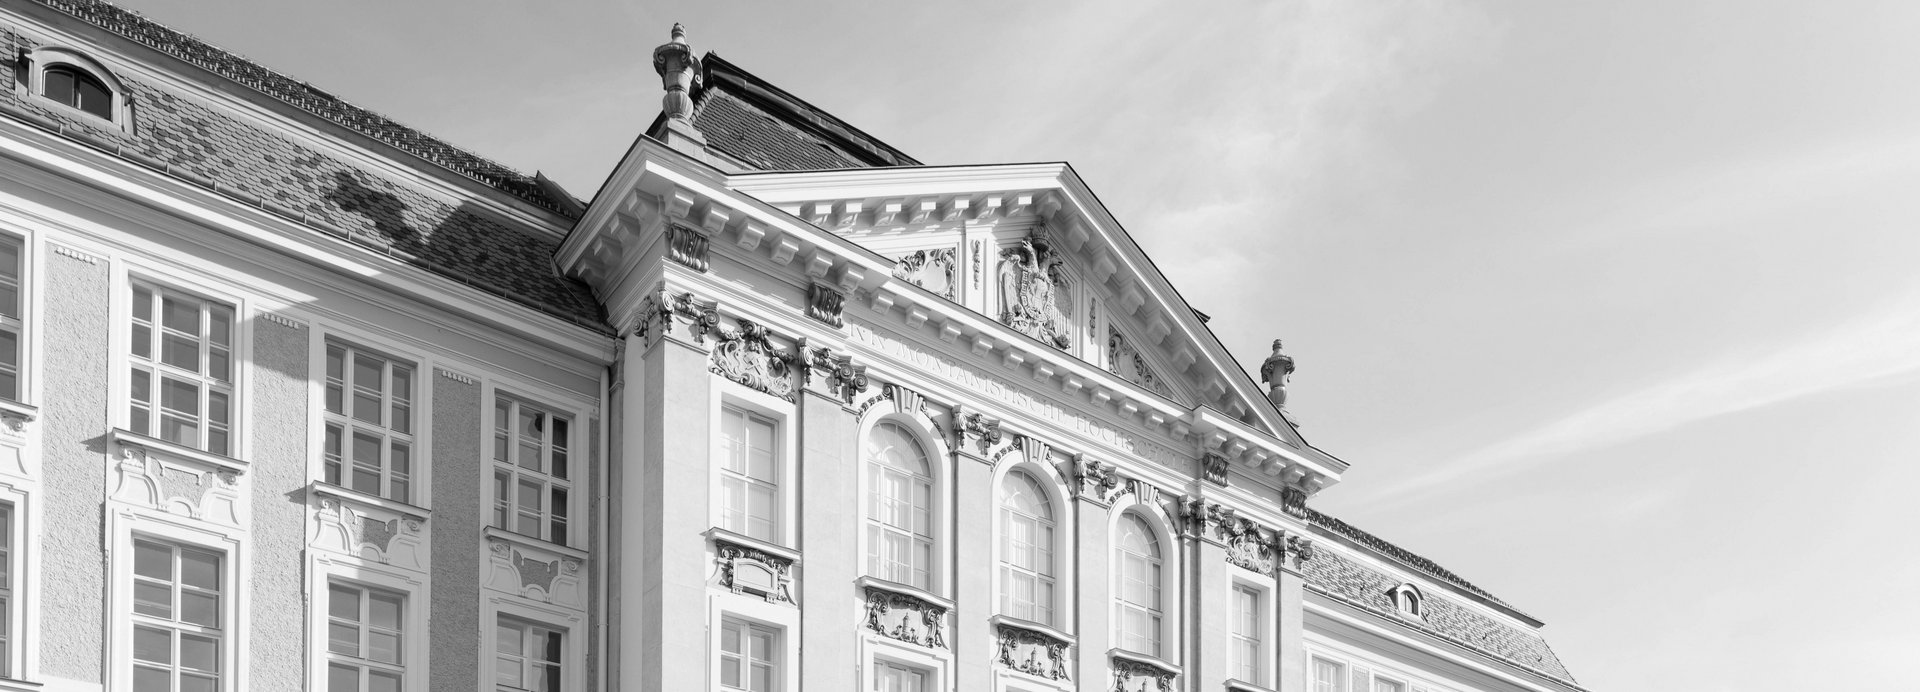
[
  {"x": 825, "y": 303},
  {"x": 1035, "y": 299},
  {"x": 929, "y": 269},
  {"x": 1033, "y": 652},
  {"x": 746, "y": 355},
  {"x": 906, "y": 617},
  {"x": 687, "y": 246}
]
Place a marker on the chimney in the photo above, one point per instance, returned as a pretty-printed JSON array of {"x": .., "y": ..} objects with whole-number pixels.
[{"x": 679, "y": 74}]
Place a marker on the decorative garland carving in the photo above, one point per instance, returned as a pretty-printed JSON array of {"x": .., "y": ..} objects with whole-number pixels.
[
  {"x": 929, "y": 269},
  {"x": 1214, "y": 468},
  {"x": 1125, "y": 670},
  {"x": 687, "y": 246},
  {"x": 825, "y": 303},
  {"x": 1033, "y": 652},
  {"x": 906, "y": 617},
  {"x": 978, "y": 268},
  {"x": 1249, "y": 545},
  {"x": 746, "y": 355},
  {"x": 738, "y": 562},
  {"x": 658, "y": 309}
]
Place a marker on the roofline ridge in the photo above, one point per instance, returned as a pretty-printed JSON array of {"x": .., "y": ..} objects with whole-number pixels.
[
  {"x": 1409, "y": 558},
  {"x": 480, "y": 170}
]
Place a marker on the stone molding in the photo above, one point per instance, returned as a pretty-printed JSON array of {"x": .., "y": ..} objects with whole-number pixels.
[
  {"x": 535, "y": 569},
  {"x": 687, "y": 246},
  {"x": 825, "y": 303},
  {"x": 659, "y": 309},
  {"x": 14, "y": 417},
  {"x": 1151, "y": 674},
  {"x": 1032, "y": 648},
  {"x": 177, "y": 479},
  {"x": 1249, "y": 545},
  {"x": 921, "y": 266},
  {"x": 1213, "y": 467},
  {"x": 353, "y": 523},
  {"x": 904, "y": 613},
  {"x": 746, "y": 354},
  {"x": 748, "y": 565},
  {"x": 840, "y": 375}
]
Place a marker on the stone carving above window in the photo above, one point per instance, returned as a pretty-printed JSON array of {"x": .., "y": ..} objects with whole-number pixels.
[
  {"x": 1249, "y": 545},
  {"x": 930, "y": 269},
  {"x": 535, "y": 569},
  {"x": 1133, "y": 673},
  {"x": 753, "y": 569},
  {"x": 825, "y": 304},
  {"x": 1125, "y": 360},
  {"x": 837, "y": 371},
  {"x": 347, "y": 522},
  {"x": 1032, "y": 649},
  {"x": 171, "y": 478},
  {"x": 687, "y": 246},
  {"x": 904, "y": 613},
  {"x": 1035, "y": 298},
  {"x": 746, "y": 355}
]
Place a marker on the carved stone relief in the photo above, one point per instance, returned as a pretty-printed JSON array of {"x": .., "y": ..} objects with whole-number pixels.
[
  {"x": 746, "y": 355},
  {"x": 837, "y": 371},
  {"x": 657, "y": 311},
  {"x": 147, "y": 479},
  {"x": 368, "y": 532},
  {"x": 929, "y": 269},
  {"x": 1135, "y": 676},
  {"x": 825, "y": 303},
  {"x": 1034, "y": 296},
  {"x": 906, "y": 617},
  {"x": 1095, "y": 480},
  {"x": 537, "y": 573},
  {"x": 1214, "y": 468},
  {"x": 1033, "y": 652},
  {"x": 745, "y": 569},
  {"x": 1125, "y": 360},
  {"x": 687, "y": 246},
  {"x": 977, "y": 428}
]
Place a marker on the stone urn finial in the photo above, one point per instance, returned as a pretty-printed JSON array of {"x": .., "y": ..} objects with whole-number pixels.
[
  {"x": 1276, "y": 371},
  {"x": 679, "y": 73}
]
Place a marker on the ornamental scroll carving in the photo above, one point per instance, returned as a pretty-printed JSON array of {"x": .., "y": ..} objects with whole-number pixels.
[
  {"x": 1034, "y": 296},
  {"x": 1125, "y": 360},
  {"x": 1213, "y": 467},
  {"x": 1293, "y": 501},
  {"x": 746, "y": 355},
  {"x": 841, "y": 376},
  {"x": 1096, "y": 480},
  {"x": 929, "y": 269},
  {"x": 659, "y": 308},
  {"x": 1138, "y": 676},
  {"x": 977, "y": 428},
  {"x": 1248, "y": 544},
  {"x": 746, "y": 569},
  {"x": 687, "y": 246},
  {"x": 906, "y": 617},
  {"x": 825, "y": 303},
  {"x": 1032, "y": 651}
]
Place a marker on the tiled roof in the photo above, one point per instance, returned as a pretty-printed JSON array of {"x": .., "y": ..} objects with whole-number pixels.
[
  {"x": 1380, "y": 545},
  {"x": 749, "y": 119},
  {"x": 194, "y": 140},
  {"x": 301, "y": 95},
  {"x": 1350, "y": 582}
]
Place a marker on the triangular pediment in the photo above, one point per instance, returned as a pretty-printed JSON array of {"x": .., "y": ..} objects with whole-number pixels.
[{"x": 1029, "y": 246}]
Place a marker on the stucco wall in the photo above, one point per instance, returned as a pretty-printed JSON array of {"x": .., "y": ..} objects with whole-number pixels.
[
  {"x": 278, "y": 455},
  {"x": 457, "y": 520},
  {"x": 76, "y": 417}
]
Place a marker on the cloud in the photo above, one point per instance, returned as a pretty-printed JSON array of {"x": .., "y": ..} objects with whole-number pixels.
[{"x": 1880, "y": 346}]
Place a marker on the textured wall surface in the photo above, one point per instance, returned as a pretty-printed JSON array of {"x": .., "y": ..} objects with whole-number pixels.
[
  {"x": 457, "y": 547},
  {"x": 1353, "y": 582},
  {"x": 278, "y": 454},
  {"x": 76, "y": 417}
]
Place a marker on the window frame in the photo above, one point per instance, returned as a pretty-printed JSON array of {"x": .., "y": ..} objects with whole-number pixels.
[
  {"x": 365, "y": 665},
  {"x": 778, "y": 660},
  {"x": 723, "y": 476},
  {"x": 937, "y": 539},
  {"x": 18, "y": 324},
  {"x": 41, "y": 60},
  {"x": 1258, "y": 639},
  {"x": 158, "y": 371},
  {"x": 526, "y": 661},
  {"x": 127, "y": 524},
  {"x": 419, "y": 477},
  {"x": 1159, "y": 567},
  {"x": 1059, "y": 575},
  {"x": 574, "y": 484}
]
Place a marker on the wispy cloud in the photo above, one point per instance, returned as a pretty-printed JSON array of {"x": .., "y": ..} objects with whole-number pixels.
[{"x": 1880, "y": 346}]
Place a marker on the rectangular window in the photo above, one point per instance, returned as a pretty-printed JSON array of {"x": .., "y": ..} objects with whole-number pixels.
[
  {"x": 1328, "y": 676},
  {"x": 531, "y": 483},
  {"x": 181, "y": 382},
  {"x": 6, "y": 591},
  {"x": 1380, "y": 685},
  {"x": 369, "y": 419},
  {"x": 893, "y": 677},
  {"x": 749, "y": 657},
  {"x": 749, "y": 474},
  {"x": 1246, "y": 633},
  {"x": 366, "y": 639},
  {"x": 178, "y": 606},
  {"x": 526, "y": 657},
  {"x": 10, "y": 326}
]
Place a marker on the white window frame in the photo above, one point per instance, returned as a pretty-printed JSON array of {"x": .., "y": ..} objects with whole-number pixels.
[
  {"x": 776, "y": 661},
  {"x": 1046, "y": 477},
  {"x": 575, "y": 483},
  {"x": 1353, "y": 664},
  {"x": 20, "y": 615},
  {"x": 45, "y": 57},
  {"x": 939, "y": 514},
  {"x": 1261, "y": 636},
  {"x": 322, "y": 334},
  {"x": 779, "y": 617},
  {"x": 571, "y": 624},
  {"x": 527, "y": 658},
  {"x": 726, "y": 393},
  {"x": 17, "y": 324},
  {"x": 364, "y": 664},
  {"x": 127, "y": 271},
  {"x": 1339, "y": 674},
  {"x": 124, "y": 524},
  {"x": 158, "y": 371},
  {"x": 418, "y": 480},
  {"x": 325, "y": 569},
  {"x": 1168, "y": 588}
]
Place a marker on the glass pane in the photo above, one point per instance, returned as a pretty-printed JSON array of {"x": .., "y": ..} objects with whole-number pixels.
[
  {"x": 384, "y": 611},
  {"x": 343, "y": 603},
  {"x": 343, "y": 678},
  {"x": 58, "y": 85},
  {"x": 383, "y": 647},
  {"x": 151, "y": 644},
  {"x": 380, "y": 681},
  {"x": 506, "y": 671},
  {"x": 180, "y": 352},
  {"x": 93, "y": 97},
  {"x": 200, "y": 609},
  {"x": 506, "y": 639},
  {"x": 200, "y": 653},
  {"x": 220, "y": 365},
  {"x": 150, "y": 680},
  {"x": 550, "y": 652},
  {"x": 343, "y": 639},
  {"x": 198, "y": 683},
  {"x": 200, "y": 569},
  {"x": 181, "y": 315},
  {"x": 153, "y": 560}
]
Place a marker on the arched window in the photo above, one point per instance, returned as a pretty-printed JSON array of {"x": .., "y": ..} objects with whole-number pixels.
[
  {"x": 900, "y": 506},
  {"x": 1026, "y": 549},
  {"x": 1406, "y": 599},
  {"x": 1137, "y": 555},
  {"x": 74, "y": 87}
]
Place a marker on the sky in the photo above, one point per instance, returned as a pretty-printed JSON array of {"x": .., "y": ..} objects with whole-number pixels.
[{"x": 1611, "y": 306}]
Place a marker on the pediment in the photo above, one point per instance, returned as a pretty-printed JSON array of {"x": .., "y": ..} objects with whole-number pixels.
[{"x": 1030, "y": 247}]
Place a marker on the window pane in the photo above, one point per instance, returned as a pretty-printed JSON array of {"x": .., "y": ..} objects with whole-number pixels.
[
  {"x": 343, "y": 603},
  {"x": 57, "y": 84},
  {"x": 150, "y": 680},
  {"x": 150, "y": 644},
  {"x": 200, "y": 653},
  {"x": 152, "y": 560},
  {"x": 342, "y": 678},
  {"x": 384, "y": 611}
]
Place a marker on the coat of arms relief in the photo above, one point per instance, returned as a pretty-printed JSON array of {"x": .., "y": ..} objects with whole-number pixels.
[{"x": 1035, "y": 297}]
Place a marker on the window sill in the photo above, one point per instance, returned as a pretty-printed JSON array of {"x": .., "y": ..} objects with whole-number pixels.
[
  {"x": 12, "y": 685},
  {"x": 495, "y": 533},
  {"x": 355, "y": 497},
  {"x": 900, "y": 589},
  {"x": 1010, "y": 622},
  {"x": 16, "y": 416},
  {"x": 173, "y": 451},
  {"x": 720, "y": 535},
  {"x": 1119, "y": 656},
  {"x": 1240, "y": 686}
]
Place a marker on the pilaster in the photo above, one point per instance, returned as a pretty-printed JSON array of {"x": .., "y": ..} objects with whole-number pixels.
[
  {"x": 1094, "y": 485},
  {"x": 1290, "y": 627},
  {"x": 974, "y": 566},
  {"x": 666, "y": 479},
  {"x": 830, "y": 516}
]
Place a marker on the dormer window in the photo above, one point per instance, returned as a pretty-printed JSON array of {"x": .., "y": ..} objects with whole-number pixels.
[
  {"x": 1407, "y": 600},
  {"x": 69, "y": 86},
  {"x": 65, "y": 79}
]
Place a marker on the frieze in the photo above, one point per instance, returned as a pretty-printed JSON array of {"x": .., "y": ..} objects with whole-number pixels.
[
  {"x": 825, "y": 303},
  {"x": 1249, "y": 545},
  {"x": 929, "y": 269},
  {"x": 1034, "y": 297},
  {"x": 347, "y": 524},
  {"x": 1015, "y": 396},
  {"x": 183, "y": 482},
  {"x": 745, "y": 354},
  {"x": 1032, "y": 650},
  {"x": 747, "y": 569},
  {"x": 897, "y": 614},
  {"x": 687, "y": 246}
]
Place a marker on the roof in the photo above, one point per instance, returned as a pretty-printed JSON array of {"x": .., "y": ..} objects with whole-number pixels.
[
  {"x": 189, "y": 138},
  {"x": 305, "y": 97},
  {"x": 768, "y": 129}
]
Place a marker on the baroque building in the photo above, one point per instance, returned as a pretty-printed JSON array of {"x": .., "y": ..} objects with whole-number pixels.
[{"x": 299, "y": 398}]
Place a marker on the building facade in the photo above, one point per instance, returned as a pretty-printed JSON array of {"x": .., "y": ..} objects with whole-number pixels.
[{"x": 298, "y": 398}]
